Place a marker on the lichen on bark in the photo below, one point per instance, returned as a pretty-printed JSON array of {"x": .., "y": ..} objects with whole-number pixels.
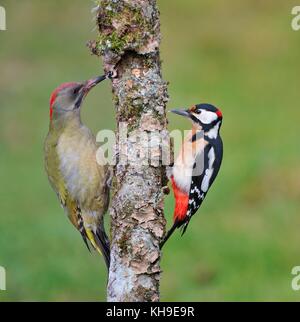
[
  {"x": 128, "y": 42},
  {"x": 127, "y": 25}
]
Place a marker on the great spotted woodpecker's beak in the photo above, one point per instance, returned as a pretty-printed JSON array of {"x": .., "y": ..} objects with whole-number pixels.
[{"x": 182, "y": 112}]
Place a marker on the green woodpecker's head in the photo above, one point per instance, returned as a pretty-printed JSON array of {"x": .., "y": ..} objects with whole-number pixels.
[{"x": 68, "y": 97}]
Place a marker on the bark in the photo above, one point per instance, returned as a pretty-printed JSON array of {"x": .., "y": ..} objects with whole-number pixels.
[{"x": 129, "y": 38}]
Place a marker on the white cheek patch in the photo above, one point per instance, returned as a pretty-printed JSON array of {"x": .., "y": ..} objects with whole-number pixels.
[{"x": 206, "y": 117}]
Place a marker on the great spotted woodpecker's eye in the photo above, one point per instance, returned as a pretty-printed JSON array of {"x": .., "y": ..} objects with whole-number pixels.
[{"x": 195, "y": 110}]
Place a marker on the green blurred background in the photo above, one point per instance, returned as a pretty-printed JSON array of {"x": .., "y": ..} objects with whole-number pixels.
[{"x": 242, "y": 56}]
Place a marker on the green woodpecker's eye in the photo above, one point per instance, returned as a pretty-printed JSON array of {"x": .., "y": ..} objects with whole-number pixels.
[{"x": 76, "y": 90}]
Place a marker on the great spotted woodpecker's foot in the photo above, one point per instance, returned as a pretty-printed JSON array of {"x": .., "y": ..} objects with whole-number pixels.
[
  {"x": 166, "y": 190},
  {"x": 109, "y": 177}
]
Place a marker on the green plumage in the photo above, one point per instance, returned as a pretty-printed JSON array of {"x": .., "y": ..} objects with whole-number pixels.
[{"x": 78, "y": 180}]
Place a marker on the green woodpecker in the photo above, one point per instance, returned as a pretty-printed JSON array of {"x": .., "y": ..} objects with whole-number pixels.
[{"x": 80, "y": 182}]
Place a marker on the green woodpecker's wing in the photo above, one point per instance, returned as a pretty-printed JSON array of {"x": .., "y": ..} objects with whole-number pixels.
[
  {"x": 77, "y": 182},
  {"x": 57, "y": 181}
]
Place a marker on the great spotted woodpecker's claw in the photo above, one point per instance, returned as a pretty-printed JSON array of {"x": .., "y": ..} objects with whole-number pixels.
[
  {"x": 169, "y": 170},
  {"x": 166, "y": 190},
  {"x": 109, "y": 178}
]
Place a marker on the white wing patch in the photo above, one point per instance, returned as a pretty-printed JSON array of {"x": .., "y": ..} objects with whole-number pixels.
[{"x": 209, "y": 171}]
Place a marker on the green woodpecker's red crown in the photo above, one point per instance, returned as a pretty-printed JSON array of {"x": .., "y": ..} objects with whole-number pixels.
[{"x": 55, "y": 93}]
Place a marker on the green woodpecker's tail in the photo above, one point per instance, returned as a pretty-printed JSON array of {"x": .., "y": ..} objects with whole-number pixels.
[
  {"x": 103, "y": 243},
  {"x": 100, "y": 242}
]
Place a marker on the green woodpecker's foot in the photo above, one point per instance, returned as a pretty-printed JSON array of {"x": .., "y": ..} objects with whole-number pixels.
[{"x": 112, "y": 74}]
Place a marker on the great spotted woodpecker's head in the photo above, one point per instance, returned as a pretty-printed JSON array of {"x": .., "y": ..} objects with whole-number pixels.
[
  {"x": 205, "y": 116},
  {"x": 68, "y": 97}
]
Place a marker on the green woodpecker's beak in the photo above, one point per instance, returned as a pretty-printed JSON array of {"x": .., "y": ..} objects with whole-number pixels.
[
  {"x": 93, "y": 82},
  {"x": 182, "y": 112},
  {"x": 87, "y": 87}
]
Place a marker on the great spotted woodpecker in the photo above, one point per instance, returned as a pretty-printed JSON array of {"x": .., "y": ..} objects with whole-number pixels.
[
  {"x": 80, "y": 182},
  {"x": 197, "y": 164}
]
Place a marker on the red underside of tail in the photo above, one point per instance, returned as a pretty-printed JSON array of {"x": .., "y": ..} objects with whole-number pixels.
[{"x": 181, "y": 200}]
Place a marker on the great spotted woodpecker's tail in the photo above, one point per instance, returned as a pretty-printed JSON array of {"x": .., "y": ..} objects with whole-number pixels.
[
  {"x": 183, "y": 227},
  {"x": 168, "y": 235}
]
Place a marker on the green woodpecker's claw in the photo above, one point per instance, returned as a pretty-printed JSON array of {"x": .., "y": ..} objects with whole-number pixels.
[{"x": 112, "y": 74}]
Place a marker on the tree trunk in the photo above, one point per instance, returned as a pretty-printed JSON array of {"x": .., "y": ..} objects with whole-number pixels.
[{"x": 129, "y": 38}]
